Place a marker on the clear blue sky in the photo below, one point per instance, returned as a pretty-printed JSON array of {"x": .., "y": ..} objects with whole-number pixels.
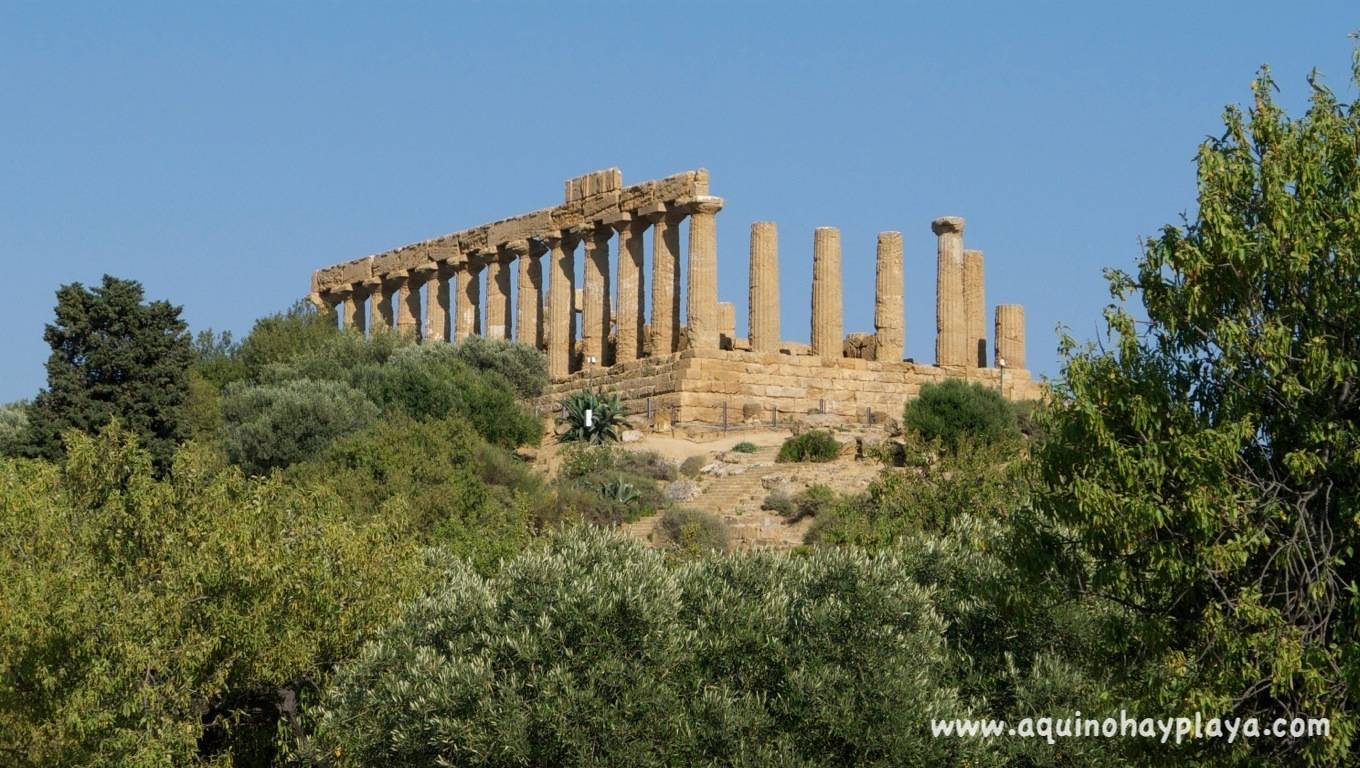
[{"x": 218, "y": 153}]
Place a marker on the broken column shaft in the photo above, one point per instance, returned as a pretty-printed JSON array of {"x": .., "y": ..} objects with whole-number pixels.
[
  {"x": 827, "y": 330},
  {"x": 763, "y": 299},
  {"x": 888, "y": 320},
  {"x": 951, "y": 333}
]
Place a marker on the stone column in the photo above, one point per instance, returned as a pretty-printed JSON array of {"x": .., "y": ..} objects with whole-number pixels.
[
  {"x": 525, "y": 294},
  {"x": 631, "y": 284},
  {"x": 665, "y": 279},
  {"x": 951, "y": 331},
  {"x": 727, "y": 324},
  {"x": 379, "y": 306},
  {"x": 828, "y": 336},
  {"x": 763, "y": 299},
  {"x": 356, "y": 318},
  {"x": 437, "y": 303},
  {"x": 974, "y": 309},
  {"x": 535, "y": 274},
  {"x": 888, "y": 323},
  {"x": 408, "y": 308},
  {"x": 595, "y": 314},
  {"x": 498, "y": 294},
  {"x": 469, "y": 299},
  {"x": 1010, "y": 335},
  {"x": 702, "y": 309},
  {"x": 561, "y": 288}
]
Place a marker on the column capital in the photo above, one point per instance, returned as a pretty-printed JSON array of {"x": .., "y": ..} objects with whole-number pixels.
[
  {"x": 624, "y": 223},
  {"x": 515, "y": 247},
  {"x": 398, "y": 276},
  {"x": 339, "y": 291},
  {"x": 709, "y": 204},
  {"x": 537, "y": 247},
  {"x": 946, "y": 224}
]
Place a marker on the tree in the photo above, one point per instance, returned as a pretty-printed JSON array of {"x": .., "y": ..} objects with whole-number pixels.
[
  {"x": 1203, "y": 470},
  {"x": 113, "y": 356}
]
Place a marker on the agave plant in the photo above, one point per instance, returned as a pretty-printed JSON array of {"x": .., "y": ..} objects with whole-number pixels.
[
  {"x": 592, "y": 417},
  {"x": 619, "y": 490}
]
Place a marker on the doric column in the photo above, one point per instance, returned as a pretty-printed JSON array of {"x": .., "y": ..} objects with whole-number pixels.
[
  {"x": 561, "y": 289},
  {"x": 379, "y": 306},
  {"x": 595, "y": 314},
  {"x": 469, "y": 299},
  {"x": 702, "y": 310},
  {"x": 763, "y": 304},
  {"x": 498, "y": 294},
  {"x": 408, "y": 307},
  {"x": 1010, "y": 335},
  {"x": 630, "y": 287},
  {"x": 356, "y": 318},
  {"x": 437, "y": 303},
  {"x": 951, "y": 331},
  {"x": 974, "y": 309},
  {"x": 665, "y": 278},
  {"x": 888, "y": 323},
  {"x": 526, "y": 293},
  {"x": 828, "y": 336}
]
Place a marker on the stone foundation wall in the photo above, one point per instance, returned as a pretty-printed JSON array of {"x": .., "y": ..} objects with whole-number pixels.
[{"x": 754, "y": 384}]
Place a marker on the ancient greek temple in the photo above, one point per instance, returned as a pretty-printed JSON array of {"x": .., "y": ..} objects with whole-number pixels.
[{"x": 626, "y": 331}]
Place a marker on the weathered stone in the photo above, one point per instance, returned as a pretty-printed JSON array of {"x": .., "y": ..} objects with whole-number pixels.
[
  {"x": 1010, "y": 336},
  {"x": 951, "y": 332},
  {"x": 408, "y": 311},
  {"x": 763, "y": 298},
  {"x": 826, "y": 293},
  {"x": 561, "y": 289},
  {"x": 498, "y": 294},
  {"x": 438, "y": 294},
  {"x": 682, "y": 490},
  {"x": 861, "y": 346},
  {"x": 469, "y": 300},
  {"x": 727, "y": 324},
  {"x": 595, "y": 314},
  {"x": 665, "y": 323},
  {"x": 888, "y": 308},
  {"x": 630, "y": 287},
  {"x": 702, "y": 314},
  {"x": 974, "y": 308}
]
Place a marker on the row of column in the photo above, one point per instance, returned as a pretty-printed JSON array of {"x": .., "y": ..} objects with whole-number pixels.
[
  {"x": 960, "y": 307},
  {"x": 394, "y": 300}
]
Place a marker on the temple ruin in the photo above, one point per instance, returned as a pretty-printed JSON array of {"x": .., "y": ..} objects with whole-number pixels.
[{"x": 625, "y": 332}]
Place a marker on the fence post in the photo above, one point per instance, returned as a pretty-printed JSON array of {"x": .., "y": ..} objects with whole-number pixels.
[
  {"x": 821, "y": 406},
  {"x": 724, "y": 416},
  {"x": 774, "y": 421},
  {"x": 649, "y": 410}
]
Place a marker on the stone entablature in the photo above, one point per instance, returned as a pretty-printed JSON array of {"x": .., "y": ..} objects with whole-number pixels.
[{"x": 490, "y": 280}]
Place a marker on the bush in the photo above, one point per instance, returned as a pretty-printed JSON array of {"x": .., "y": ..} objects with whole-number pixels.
[
  {"x": 431, "y": 382},
  {"x": 691, "y": 466},
  {"x": 953, "y": 410},
  {"x": 13, "y": 422},
  {"x": 596, "y": 651},
  {"x": 779, "y": 503},
  {"x": 813, "y": 446},
  {"x": 269, "y": 426},
  {"x": 523, "y": 366},
  {"x": 744, "y": 447},
  {"x": 606, "y": 417},
  {"x": 691, "y": 531},
  {"x": 282, "y": 336},
  {"x": 811, "y": 502}
]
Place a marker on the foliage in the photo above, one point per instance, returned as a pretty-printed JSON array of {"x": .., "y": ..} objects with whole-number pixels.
[
  {"x": 745, "y": 446},
  {"x": 691, "y": 532},
  {"x": 286, "y": 335},
  {"x": 811, "y": 446},
  {"x": 274, "y": 425},
  {"x": 595, "y": 651},
  {"x": 606, "y": 417},
  {"x": 13, "y": 425},
  {"x": 1204, "y": 467},
  {"x": 217, "y": 359},
  {"x": 437, "y": 479},
  {"x": 953, "y": 410},
  {"x": 523, "y": 366},
  {"x": 778, "y": 502},
  {"x": 113, "y": 356},
  {"x": 692, "y": 465},
  {"x": 175, "y": 621},
  {"x": 980, "y": 479},
  {"x": 619, "y": 490}
]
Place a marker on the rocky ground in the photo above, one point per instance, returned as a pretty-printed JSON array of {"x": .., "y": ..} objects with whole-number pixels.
[{"x": 733, "y": 485}]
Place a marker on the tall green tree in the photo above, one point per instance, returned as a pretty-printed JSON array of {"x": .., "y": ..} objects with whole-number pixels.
[
  {"x": 113, "y": 355},
  {"x": 1202, "y": 470}
]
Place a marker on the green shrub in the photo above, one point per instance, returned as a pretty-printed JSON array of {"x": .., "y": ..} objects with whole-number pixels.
[
  {"x": 596, "y": 651},
  {"x": 745, "y": 446},
  {"x": 813, "y": 446},
  {"x": 780, "y": 503},
  {"x": 646, "y": 463},
  {"x": 523, "y": 366},
  {"x": 691, "y": 532},
  {"x": 581, "y": 459},
  {"x": 619, "y": 490},
  {"x": 13, "y": 422},
  {"x": 619, "y": 497},
  {"x": 953, "y": 411},
  {"x": 691, "y": 466},
  {"x": 429, "y": 381},
  {"x": 281, "y": 337},
  {"x": 269, "y": 426},
  {"x": 606, "y": 417},
  {"x": 811, "y": 502}
]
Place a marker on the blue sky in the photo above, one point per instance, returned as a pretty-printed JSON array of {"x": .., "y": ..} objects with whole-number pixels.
[{"x": 219, "y": 153}]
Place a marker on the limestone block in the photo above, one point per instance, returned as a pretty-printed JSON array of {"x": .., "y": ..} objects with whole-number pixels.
[
  {"x": 861, "y": 345},
  {"x": 522, "y": 227}
]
